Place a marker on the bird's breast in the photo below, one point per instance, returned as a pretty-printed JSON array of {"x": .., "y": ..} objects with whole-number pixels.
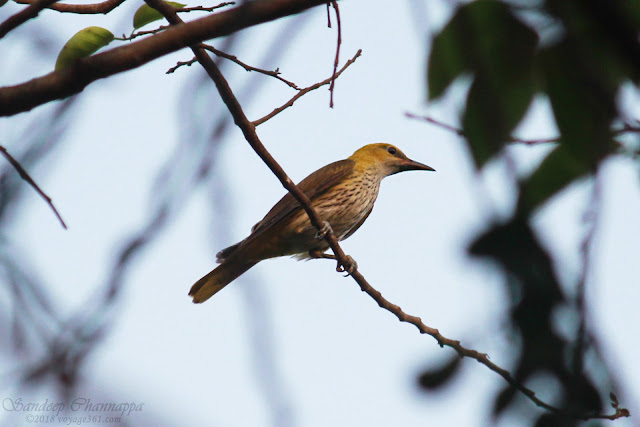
[{"x": 347, "y": 203}]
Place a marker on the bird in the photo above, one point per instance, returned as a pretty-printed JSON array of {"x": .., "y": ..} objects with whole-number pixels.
[{"x": 342, "y": 193}]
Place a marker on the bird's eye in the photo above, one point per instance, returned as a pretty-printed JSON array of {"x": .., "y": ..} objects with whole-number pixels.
[{"x": 392, "y": 150}]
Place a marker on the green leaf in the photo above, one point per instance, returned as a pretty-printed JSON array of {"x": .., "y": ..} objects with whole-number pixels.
[
  {"x": 83, "y": 43},
  {"x": 146, "y": 14}
]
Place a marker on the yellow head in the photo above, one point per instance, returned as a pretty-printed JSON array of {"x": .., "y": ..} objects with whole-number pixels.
[{"x": 385, "y": 159}]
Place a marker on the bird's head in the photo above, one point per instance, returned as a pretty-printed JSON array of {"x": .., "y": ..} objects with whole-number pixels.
[{"x": 385, "y": 159}]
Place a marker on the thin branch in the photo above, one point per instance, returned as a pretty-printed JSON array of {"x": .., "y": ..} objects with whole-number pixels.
[
  {"x": 436, "y": 122},
  {"x": 24, "y": 15},
  {"x": 460, "y": 132},
  {"x": 205, "y": 9},
  {"x": 71, "y": 80},
  {"x": 88, "y": 9},
  {"x": 334, "y": 4},
  {"x": 626, "y": 128},
  {"x": 306, "y": 90},
  {"x": 135, "y": 35},
  {"x": 25, "y": 176},
  {"x": 188, "y": 63},
  {"x": 249, "y": 130},
  {"x": 483, "y": 358},
  {"x": 275, "y": 73}
]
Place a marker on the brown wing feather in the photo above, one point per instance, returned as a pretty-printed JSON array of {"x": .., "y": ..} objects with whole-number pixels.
[{"x": 313, "y": 185}]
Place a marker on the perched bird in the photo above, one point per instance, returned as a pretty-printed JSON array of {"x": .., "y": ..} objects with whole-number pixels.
[{"x": 342, "y": 193}]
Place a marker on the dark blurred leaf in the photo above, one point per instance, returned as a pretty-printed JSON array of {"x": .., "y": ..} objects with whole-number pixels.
[
  {"x": 582, "y": 394},
  {"x": 517, "y": 249},
  {"x": 502, "y": 66},
  {"x": 553, "y": 420},
  {"x": 559, "y": 169},
  {"x": 83, "y": 43},
  {"x": 495, "y": 105},
  {"x": 583, "y": 102},
  {"x": 475, "y": 38},
  {"x": 528, "y": 265},
  {"x": 146, "y": 14},
  {"x": 434, "y": 378},
  {"x": 503, "y": 400},
  {"x": 605, "y": 34},
  {"x": 582, "y": 96}
]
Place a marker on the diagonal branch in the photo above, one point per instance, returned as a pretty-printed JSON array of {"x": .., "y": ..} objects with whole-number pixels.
[
  {"x": 249, "y": 130},
  {"x": 24, "y": 15},
  {"x": 73, "y": 79},
  {"x": 25, "y": 176},
  {"x": 85, "y": 9}
]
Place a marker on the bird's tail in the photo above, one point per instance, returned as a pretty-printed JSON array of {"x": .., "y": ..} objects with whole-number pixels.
[{"x": 218, "y": 278}]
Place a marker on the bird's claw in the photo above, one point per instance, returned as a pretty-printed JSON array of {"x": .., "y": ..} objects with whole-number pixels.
[
  {"x": 326, "y": 229},
  {"x": 349, "y": 267}
]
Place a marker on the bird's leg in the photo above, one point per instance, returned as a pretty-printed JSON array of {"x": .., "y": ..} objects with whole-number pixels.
[
  {"x": 322, "y": 233},
  {"x": 318, "y": 254},
  {"x": 350, "y": 266}
]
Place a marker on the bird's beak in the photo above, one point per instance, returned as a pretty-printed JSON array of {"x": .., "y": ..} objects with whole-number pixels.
[{"x": 412, "y": 165}]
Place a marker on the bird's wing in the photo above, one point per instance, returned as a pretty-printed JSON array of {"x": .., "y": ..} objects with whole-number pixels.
[{"x": 313, "y": 185}]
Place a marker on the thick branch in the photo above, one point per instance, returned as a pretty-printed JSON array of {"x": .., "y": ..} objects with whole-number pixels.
[
  {"x": 72, "y": 80},
  {"x": 89, "y": 9},
  {"x": 24, "y": 15}
]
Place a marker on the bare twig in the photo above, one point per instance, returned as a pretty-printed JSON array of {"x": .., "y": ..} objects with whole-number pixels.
[
  {"x": 94, "y": 8},
  {"x": 334, "y": 4},
  {"x": 205, "y": 9},
  {"x": 626, "y": 128},
  {"x": 460, "y": 132},
  {"x": 188, "y": 63},
  {"x": 25, "y": 176},
  {"x": 135, "y": 35},
  {"x": 275, "y": 73},
  {"x": 24, "y": 15},
  {"x": 306, "y": 90},
  {"x": 473, "y": 354},
  {"x": 249, "y": 130}
]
